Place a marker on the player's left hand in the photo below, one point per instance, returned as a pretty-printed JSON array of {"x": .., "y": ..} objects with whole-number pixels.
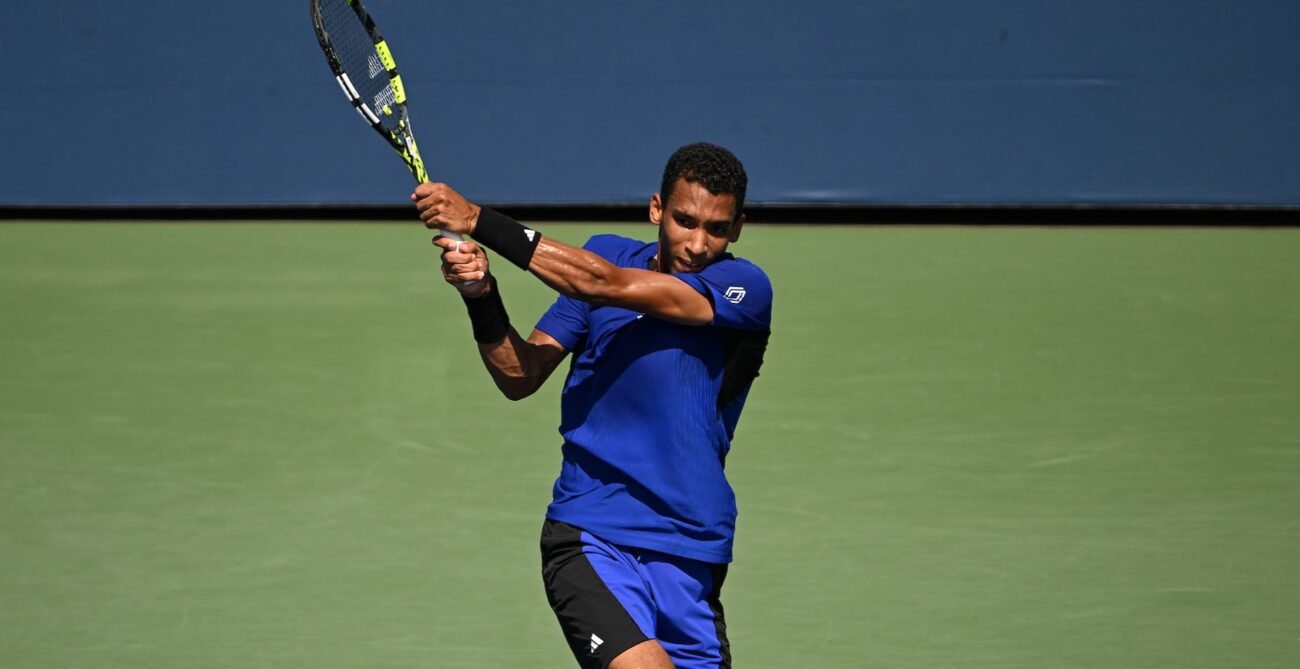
[
  {"x": 442, "y": 208},
  {"x": 464, "y": 266}
]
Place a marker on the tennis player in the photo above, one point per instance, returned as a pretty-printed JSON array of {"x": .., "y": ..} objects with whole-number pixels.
[{"x": 666, "y": 338}]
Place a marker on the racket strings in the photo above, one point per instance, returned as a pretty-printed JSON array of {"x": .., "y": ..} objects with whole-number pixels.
[{"x": 354, "y": 47}]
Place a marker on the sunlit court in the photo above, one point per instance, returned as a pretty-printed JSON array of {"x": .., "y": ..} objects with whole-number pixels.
[{"x": 273, "y": 444}]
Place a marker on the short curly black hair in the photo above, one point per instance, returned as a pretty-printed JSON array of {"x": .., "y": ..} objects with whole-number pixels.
[{"x": 709, "y": 165}]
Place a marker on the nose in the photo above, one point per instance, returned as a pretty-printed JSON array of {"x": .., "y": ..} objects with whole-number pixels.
[{"x": 697, "y": 243}]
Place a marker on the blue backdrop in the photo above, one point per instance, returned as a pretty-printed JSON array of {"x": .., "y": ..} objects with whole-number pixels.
[{"x": 891, "y": 101}]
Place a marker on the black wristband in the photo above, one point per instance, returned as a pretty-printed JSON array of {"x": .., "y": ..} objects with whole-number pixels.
[
  {"x": 506, "y": 236},
  {"x": 488, "y": 316}
]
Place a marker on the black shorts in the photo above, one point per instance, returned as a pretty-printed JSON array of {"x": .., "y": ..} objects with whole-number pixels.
[{"x": 610, "y": 598}]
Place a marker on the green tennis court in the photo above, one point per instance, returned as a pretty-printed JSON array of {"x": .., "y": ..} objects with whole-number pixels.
[{"x": 273, "y": 445}]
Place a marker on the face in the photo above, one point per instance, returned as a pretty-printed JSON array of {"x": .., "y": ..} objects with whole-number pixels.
[{"x": 695, "y": 226}]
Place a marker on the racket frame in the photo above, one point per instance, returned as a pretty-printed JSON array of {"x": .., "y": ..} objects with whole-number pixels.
[{"x": 401, "y": 138}]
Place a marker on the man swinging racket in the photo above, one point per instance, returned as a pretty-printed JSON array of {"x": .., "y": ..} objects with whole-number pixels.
[{"x": 666, "y": 339}]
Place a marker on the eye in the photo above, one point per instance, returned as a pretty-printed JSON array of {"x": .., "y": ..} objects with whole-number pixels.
[{"x": 684, "y": 221}]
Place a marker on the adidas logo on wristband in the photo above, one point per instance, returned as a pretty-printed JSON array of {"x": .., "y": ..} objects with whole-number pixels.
[{"x": 497, "y": 232}]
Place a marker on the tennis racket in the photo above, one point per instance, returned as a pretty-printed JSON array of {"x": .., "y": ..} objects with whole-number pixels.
[{"x": 365, "y": 70}]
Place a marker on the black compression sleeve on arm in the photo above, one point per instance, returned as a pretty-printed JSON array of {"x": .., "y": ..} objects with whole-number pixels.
[
  {"x": 506, "y": 236},
  {"x": 488, "y": 316},
  {"x": 743, "y": 351}
]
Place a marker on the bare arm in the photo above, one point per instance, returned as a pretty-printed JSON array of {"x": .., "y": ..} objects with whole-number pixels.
[
  {"x": 585, "y": 276},
  {"x": 518, "y": 366},
  {"x": 573, "y": 271}
]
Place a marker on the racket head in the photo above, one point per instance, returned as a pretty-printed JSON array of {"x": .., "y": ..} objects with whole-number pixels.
[{"x": 365, "y": 70}]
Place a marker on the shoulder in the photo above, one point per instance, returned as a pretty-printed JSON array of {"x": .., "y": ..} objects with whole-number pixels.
[
  {"x": 740, "y": 292},
  {"x": 742, "y": 275},
  {"x": 739, "y": 267}
]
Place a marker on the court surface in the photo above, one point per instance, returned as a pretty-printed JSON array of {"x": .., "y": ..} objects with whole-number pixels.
[{"x": 273, "y": 445}]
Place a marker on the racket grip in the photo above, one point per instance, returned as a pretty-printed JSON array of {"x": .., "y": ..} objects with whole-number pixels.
[{"x": 457, "y": 238}]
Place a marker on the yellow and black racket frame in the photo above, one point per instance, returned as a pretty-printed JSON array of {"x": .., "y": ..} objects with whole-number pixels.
[{"x": 397, "y": 131}]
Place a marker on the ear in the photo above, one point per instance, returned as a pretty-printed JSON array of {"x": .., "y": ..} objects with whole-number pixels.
[
  {"x": 656, "y": 209},
  {"x": 735, "y": 229}
]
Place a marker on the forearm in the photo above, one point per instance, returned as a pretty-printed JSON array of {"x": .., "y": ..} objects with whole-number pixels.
[
  {"x": 586, "y": 276},
  {"x": 506, "y": 355},
  {"x": 575, "y": 272},
  {"x": 569, "y": 270},
  {"x": 514, "y": 365},
  {"x": 518, "y": 366}
]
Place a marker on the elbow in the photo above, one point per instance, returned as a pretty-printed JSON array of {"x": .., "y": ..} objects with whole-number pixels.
[
  {"x": 515, "y": 395},
  {"x": 516, "y": 390}
]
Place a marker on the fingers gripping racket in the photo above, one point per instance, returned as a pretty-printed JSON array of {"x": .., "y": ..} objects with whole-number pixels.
[{"x": 365, "y": 70}]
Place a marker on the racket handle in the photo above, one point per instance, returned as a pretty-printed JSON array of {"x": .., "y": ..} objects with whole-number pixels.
[
  {"x": 456, "y": 238},
  {"x": 417, "y": 169},
  {"x": 416, "y": 164}
]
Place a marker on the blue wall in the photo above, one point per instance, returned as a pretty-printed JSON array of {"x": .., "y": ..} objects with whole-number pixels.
[{"x": 894, "y": 101}]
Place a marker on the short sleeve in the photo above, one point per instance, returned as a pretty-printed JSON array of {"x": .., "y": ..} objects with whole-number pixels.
[
  {"x": 740, "y": 292},
  {"x": 567, "y": 319}
]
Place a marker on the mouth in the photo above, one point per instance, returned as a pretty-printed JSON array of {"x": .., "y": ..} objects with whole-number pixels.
[{"x": 687, "y": 266}]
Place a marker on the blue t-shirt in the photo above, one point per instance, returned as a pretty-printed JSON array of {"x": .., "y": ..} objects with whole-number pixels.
[{"x": 646, "y": 424}]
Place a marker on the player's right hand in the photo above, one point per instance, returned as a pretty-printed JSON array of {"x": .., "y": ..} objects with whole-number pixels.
[
  {"x": 442, "y": 208},
  {"x": 464, "y": 266}
]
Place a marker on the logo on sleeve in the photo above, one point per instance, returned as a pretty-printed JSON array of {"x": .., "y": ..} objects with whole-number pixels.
[{"x": 735, "y": 294}]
